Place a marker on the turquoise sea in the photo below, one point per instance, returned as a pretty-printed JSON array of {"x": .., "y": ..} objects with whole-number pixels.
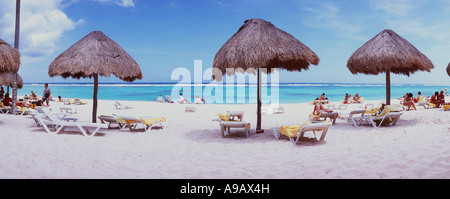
[{"x": 219, "y": 93}]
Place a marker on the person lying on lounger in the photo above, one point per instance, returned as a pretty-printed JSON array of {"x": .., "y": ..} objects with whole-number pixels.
[{"x": 318, "y": 108}]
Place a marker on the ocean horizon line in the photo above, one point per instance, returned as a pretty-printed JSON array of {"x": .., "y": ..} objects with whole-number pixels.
[{"x": 229, "y": 84}]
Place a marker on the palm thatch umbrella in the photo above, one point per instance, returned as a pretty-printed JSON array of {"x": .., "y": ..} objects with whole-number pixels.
[
  {"x": 259, "y": 44},
  {"x": 94, "y": 55},
  {"x": 448, "y": 69},
  {"x": 7, "y": 79},
  {"x": 9, "y": 58},
  {"x": 389, "y": 53}
]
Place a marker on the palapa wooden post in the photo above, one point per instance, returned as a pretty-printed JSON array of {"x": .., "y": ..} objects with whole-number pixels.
[
  {"x": 16, "y": 46},
  {"x": 94, "y": 103},
  {"x": 388, "y": 88},
  {"x": 258, "y": 109}
]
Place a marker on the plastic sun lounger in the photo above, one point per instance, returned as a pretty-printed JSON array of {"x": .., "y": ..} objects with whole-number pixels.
[
  {"x": 110, "y": 120},
  {"x": 323, "y": 126},
  {"x": 386, "y": 120},
  {"x": 225, "y": 127},
  {"x": 78, "y": 101},
  {"x": 50, "y": 119},
  {"x": 119, "y": 106},
  {"x": 333, "y": 116},
  {"x": 355, "y": 112}
]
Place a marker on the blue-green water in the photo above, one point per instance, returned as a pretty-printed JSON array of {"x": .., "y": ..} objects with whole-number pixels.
[{"x": 287, "y": 92}]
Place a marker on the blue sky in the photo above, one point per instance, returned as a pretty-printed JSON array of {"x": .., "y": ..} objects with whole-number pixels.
[{"x": 162, "y": 35}]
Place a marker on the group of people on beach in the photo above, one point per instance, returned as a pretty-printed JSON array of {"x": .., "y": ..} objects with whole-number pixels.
[
  {"x": 348, "y": 98},
  {"x": 437, "y": 99},
  {"x": 7, "y": 101}
]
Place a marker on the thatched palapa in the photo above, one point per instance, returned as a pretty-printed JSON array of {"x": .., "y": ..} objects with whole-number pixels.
[
  {"x": 259, "y": 44},
  {"x": 385, "y": 53},
  {"x": 95, "y": 54},
  {"x": 9, "y": 58},
  {"x": 448, "y": 69},
  {"x": 7, "y": 79}
]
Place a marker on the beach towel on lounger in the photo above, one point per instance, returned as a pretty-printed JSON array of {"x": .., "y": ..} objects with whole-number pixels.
[
  {"x": 292, "y": 131},
  {"x": 223, "y": 117},
  {"x": 150, "y": 121}
]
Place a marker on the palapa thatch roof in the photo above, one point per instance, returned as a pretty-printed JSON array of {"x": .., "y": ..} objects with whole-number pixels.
[
  {"x": 387, "y": 51},
  {"x": 9, "y": 58},
  {"x": 95, "y": 54},
  {"x": 448, "y": 69},
  {"x": 7, "y": 79},
  {"x": 259, "y": 44}
]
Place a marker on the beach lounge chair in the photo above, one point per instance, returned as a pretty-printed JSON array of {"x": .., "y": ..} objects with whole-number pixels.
[
  {"x": 67, "y": 101},
  {"x": 133, "y": 122},
  {"x": 190, "y": 109},
  {"x": 446, "y": 107},
  {"x": 19, "y": 110},
  {"x": 149, "y": 123},
  {"x": 278, "y": 110},
  {"x": 385, "y": 118},
  {"x": 333, "y": 116},
  {"x": 110, "y": 120},
  {"x": 342, "y": 107},
  {"x": 198, "y": 100},
  {"x": 294, "y": 133},
  {"x": 68, "y": 110},
  {"x": 119, "y": 106},
  {"x": 48, "y": 119},
  {"x": 78, "y": 101},
  {"x": 426, "y": 105},
  {"x": 225, "y": 127},
  {"x": 3, "y": 108},
  {"x": 355, "y": 112}
]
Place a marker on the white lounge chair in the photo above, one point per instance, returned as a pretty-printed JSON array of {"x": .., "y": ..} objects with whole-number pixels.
[
  {"x": 333, "y": 116},
  {"x": 377, "y": 121},
  {"x": 78, "y": 101},
  {"x": 190, "y": 109},
  {"x": 133, "y": 122},
  {"x": 149, "y": 123},
  {"x": 225, "y": 127},
  {"x": 67, "y": 101},
  {"x": 46, "y": 120},
  {"x": 317, "y": 126},
  {"x": 68, "y": 110},
  {"x": 110, "y": 120},
  {"x": 119, "y": 106},
  {"x": 198, "y": 100},
  {"x": 354, "y": 112}
]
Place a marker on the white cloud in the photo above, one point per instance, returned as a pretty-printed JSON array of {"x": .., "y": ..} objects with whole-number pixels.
[
  {"x": 396, "y": 7},
  {"x": 327, "y": 15},
  {"x": 41, "y": 26},
  {"x": 124, "y": 3}
]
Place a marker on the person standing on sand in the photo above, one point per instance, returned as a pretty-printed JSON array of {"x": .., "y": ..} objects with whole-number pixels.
[{"x": 47, "y": 94}]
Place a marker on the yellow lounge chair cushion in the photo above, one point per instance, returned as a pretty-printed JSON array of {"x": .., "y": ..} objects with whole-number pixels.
[
  {"x": 385, "y": 111},
  {"x": 150, "y": 121},
  {"x": 223, "y": 117},
  {"x": 446, "y": 107},
  {"x": 291, "y": 131}
]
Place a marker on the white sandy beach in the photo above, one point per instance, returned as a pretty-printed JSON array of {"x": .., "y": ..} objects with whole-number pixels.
[{"x": 192, "y": 147}]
